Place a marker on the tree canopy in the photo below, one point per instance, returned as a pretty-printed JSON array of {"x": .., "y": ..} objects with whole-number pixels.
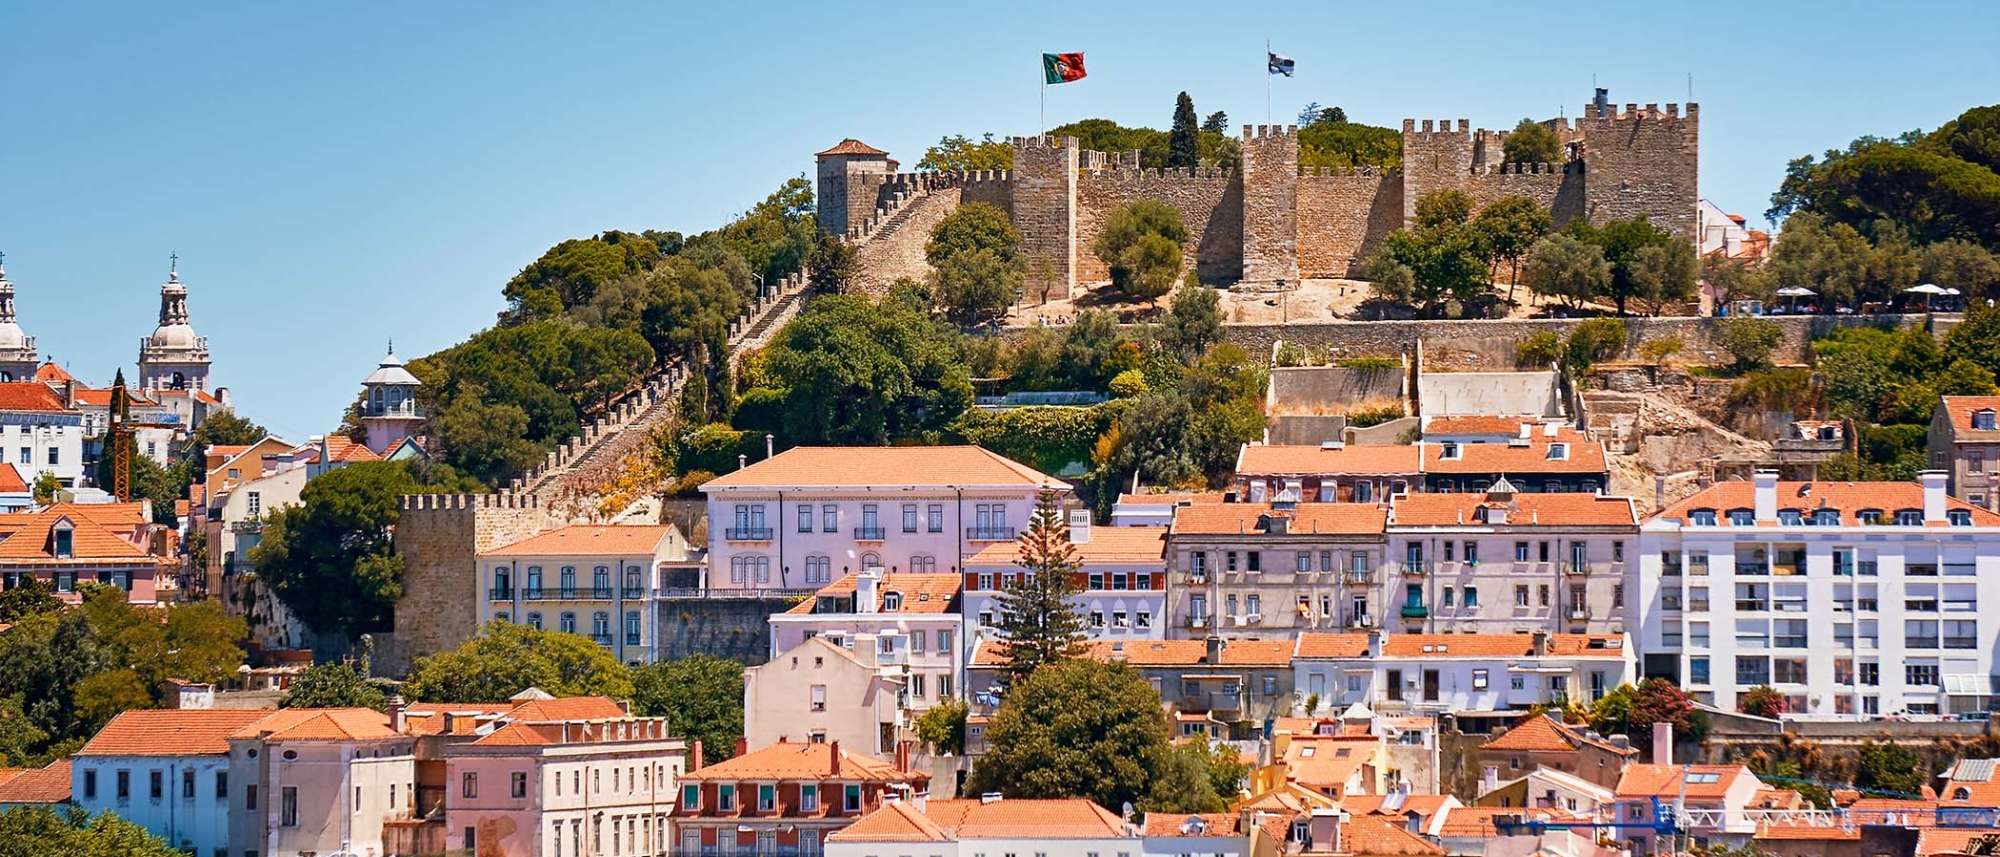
[
  {"x": 1532, "y": 143},
  {"x": 505, "y": 659},
  {"x": 1038, "y": 624},
  {"x": 1141, "y": 245},
  {"x": 975, "y": 257},
  {"x": 700, "y": 695},
  {"x": 852, "y": 371},
  {"x": 36, "y": 831},
  {"x": 956, "y": 153},
  {"x": 332, "y": 684}
]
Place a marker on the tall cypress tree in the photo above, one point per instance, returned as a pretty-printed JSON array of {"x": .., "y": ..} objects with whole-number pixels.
[
  {"x": 1038, "y": 623},
  {"x": 1184, "y": 142}
]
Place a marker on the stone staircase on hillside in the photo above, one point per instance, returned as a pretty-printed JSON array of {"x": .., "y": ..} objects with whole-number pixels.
[{"x": 892, "y": 245}]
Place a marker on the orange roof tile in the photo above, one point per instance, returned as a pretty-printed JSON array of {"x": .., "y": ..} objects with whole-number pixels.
[
  {"x": 1323, "y": 762},
  {"x": 613, "y": 540},
  {"x": 11, "y": 481},
  {"x": 1105, "y": 545},
  {"x": 340, "y": 447},
  {"x": 520, "y": 735},
  {"x": 569, "y": 708},
  {"x": 1524, "y": 509},
  {"x": 1848, "y": 498},
  {"x": 851, "y": 146},
  {"x": 1171, "y": 498},
  {"x": 1544, "y": 733},
  {"x": 1961, "y": 409},
  {"x": 1427, "y": 806},
  {"x": 49, "y": 371},
  {"x": 1022, "y": 818},
  {"x": 1192, "y": 824},
  {"x": 1808, "y": 832},
  {"x": 170, "y": 732},
  {"x": 31, "y": 396},
  {"x": 1583, "y": 456},
  {"x": 793, "y": 761},
  {"x": 896, "y": 821},
  {"x": 1952, "y": 840},
  {"x": 920, "y": 593},
  {"x": 1259, "y": 459},
  {"x": 1162, "y": 653},
  {"x": 862, "y": 466},
  {"x": 48, "y": 784},
  {"x": 1665, "y": 780},
  {"x": 1478, "y": 821},
  {"x": 30, "y": 536},
  {"x": 319, "y": 724},
  {"x": 1331, "y": 646},
  {"x": 1339, "y": 519},
  {"x": 1477, "y": 425},
  {"x": 1376, "y": 835}
]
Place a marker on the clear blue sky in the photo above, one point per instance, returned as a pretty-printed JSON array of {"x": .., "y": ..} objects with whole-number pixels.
[{"x": 336, "y": 174}]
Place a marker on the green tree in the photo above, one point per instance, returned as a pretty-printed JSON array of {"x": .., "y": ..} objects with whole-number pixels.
[
  {"x": 570, "y": 273},
  {"x": 46, "y": 486},
  {"x": 1539, "y": 351},
  {"x": 197, "y": 641},
  {"x": 942, "y": 726},
  {"x": 1445, "y": 263},
  {"x": 20, "y": 738},
  {"x": 485, "y": 439},
  {"x": 1568, "y": 270},
  {"x": 1611, "y": 714},
  {"x": 102, "y": 696},
  {"x": 1388, "y": 278},
  {"x": 1077, "y": 729},
  {"x": 35, "y": 831},
  {"x": 45, "y": 658},
  {"x": 1663, "y": 274},
  {"x": 1194, "y": 320},
  {"x": 1594, "y": 341},
  {"x": 975, "y": 254},
  {"x": 1659, "y": 351},
  {"x": 1184, "y": 139},
  {"x": 1735, "y": 279},
  {"x": 29, "y": 597},
  {"x": 700, "y": 695},
  {"x": 332, "y": 684},
  {"x": 330, "y": 559},
  {"x": 1333, "y": 142},
  {"x": 1761, "y": 701},
  {"x": 834, "y": 266},
  {"x": 1447, "y": 207},
  {"x": 1885, "y": 766},
  {"x": 858, "y": 372},
  {"x": 1039, "y": 625},
  {"x": 1104, "y": 135},
  {"x": 1216, "y": 123},
  {"x": 1532, "y": 143},
  {"x": 1660, "y": 701},
  {"x": 1508, "y": 229},
  {"x": 1621, "y": 241},
  {"x": 1141, "y": 244},
  {"x": 1960, "y": 264},
  {"x": 954, "y": 153},
  {"x": 1976, "y": 338},
  {"x": 1748, "y": 340},
  {"x": 505, "y": 659}
]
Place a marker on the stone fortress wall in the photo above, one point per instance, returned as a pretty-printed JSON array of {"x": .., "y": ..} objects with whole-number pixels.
[{"x": 1272, "y": 219}]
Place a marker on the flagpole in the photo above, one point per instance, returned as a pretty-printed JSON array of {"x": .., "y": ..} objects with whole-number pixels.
[
  {"x": 1043, "y": 69},
  {"x": 1267, "y": 81}
]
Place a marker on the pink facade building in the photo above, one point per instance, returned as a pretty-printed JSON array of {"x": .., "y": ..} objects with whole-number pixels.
[
  {"x": 1123, "y": 576},
  {"x": 809, "y": 516},
  {"x": 563, "y": 788}
]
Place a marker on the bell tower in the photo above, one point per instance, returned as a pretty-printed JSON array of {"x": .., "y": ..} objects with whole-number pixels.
[
  {"x": 389, "y": 410},
  {"x": 18, "y": 359}
]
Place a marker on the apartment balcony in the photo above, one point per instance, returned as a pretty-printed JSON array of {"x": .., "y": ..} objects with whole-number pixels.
[
  {"x": 1415, "y": 611},
  {"x": 1789, "y": 641},
  {"x": 631, "y": 639},
  {"x": 1358, "y": 578},
  {"x": 1753, "y": 569},
  {"x": 1578, "y": 613},
  {"x": 1196, "y": 621},
  {"x": 1670, "y": 604},
  {"x": 1420, "y": 568},
  {"x": 990, "y": 534},
  {"x": 1576, "y": 569},
  {"x": 1752, "y": 605},
  {"x": 1961, "y": 642},
  {"x": 632, "y": 593},
  {"x": 601, "y": 639},
  {"x": 748, "y": 534},
  {"x": 1222, "y": 700},
  {"x": 869, "y": 534},
  {"x": 251, "y": 526},
  {"x": 1921, "y": 642},
  {"x": 1670, "y": 569},
  {"x": 500, "y": 593},
  {"x": 1697, "y": 605},
  {"x": 1362, "y": 621},
  {"x": 534, "y": 593}
]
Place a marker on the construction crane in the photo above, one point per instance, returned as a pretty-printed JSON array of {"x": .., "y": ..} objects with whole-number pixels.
[{"x": 119, "y": 435}]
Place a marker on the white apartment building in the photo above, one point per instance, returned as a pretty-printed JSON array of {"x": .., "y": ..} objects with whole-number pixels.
[
  {"x": 39, "y": 433},
  {"x": 821, "y": 691},
  {"x": 1478, "y": 677},
  {"x": 1123, "y": 576},
  {"x": 808, "y": 516},
  {"x": 597, "y": 580},
  {"x": 1852, "y": 599},
  {"x": 318, "y": 781},
  {"x": 911, "y": 620},
  {"x": 1269, "y": 571},
  {"x": 167, "y": 771},
  {"x": 1510, "y": 562}
]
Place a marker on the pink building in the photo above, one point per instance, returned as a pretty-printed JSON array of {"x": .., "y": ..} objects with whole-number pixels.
[
  {"x": 67, "y": 545},
  {"x": 910, "y": 621},
  {"x": 809, "y": 516},
  {"x": 563, "y": 788},
  {"x": 1123, "y": 576}
]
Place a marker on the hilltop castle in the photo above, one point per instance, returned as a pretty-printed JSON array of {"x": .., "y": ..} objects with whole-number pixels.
[{"x": 1271, "y": 220}]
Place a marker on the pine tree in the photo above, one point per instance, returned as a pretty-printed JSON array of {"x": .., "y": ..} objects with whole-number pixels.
[
  {"x": 1184, "y": 142},
  {"x": 1216, "y": 123},
  {"x": 1038, "y": 623}
]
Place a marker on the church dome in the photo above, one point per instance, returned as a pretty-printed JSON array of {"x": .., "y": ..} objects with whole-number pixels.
[
  {"x": 11, "y": 337},
  {"x": 172, "y": 336}
]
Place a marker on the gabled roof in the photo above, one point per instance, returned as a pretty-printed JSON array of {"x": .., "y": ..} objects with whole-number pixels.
[
  {"x": 30, "y": 536},
  {"x": 895, "y": 821},
  {"x": 1327, "y": 761},
  {"x": 1961, "y": 408},
  {"x": 1951, "y": 840},
  {"x": 1105, "y": 545},
  {"x": 884, "y": 466},
  {"x": 1161, "y": 653},
  {"x": 1665, "y": 780},
  {"x": 1582, "y": 455},
  {"x": 1020, "y": 818},
  {"x": 920, "y": 593},
  {"x": 1427, "y": 806},
  {"x": 786, "y": 760},
  {"x": 1373, "y": 835},
  {"x": 340, "y": 447},
  {"x": 170, "y": 732},
  {"x": 11, "y": 481},
  {"x": 1339, "y": 519},
  {"x": 319, "y": 724},
  {"x": 1847, "y": 498},
  {"x": 1180, "y": 824},
  {"x": 1477, "y": 821},
  {"x": 599, "y": 540},
  {"x": 1525, "y": 509},
  {"x": 31, "y": 397},
  {"x": 49, "y": 371},
  {"x": 1477, "y": 425},
  {"x": 851, "y": 146},
  {"x": 47, "y": 784},
  {"x": 1259, "y": 459},
  {"x": 568, "y": 708},
  {"x": 1544, "y": 733}
]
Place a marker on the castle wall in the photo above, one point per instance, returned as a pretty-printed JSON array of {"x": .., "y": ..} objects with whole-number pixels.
[
  {"x": 1343, "y": 216},
  {"x": 1539, "y": 182},
  {"x": 439, "y": 537},
  {"x": 1209, "y": 202},
  {"x": 1270, "y": 203},
  {"x": 1044, "y": 194},
  {"x": 736, "y": 629},
  {"x": 1644, "y": 162},
  {"x": 1435, "y": 157},
  {"x": 897, "y": 249}
]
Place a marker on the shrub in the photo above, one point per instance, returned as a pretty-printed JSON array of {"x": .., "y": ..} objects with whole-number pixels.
[
  {"x": 1539, "y": 350},
  {"x": 1129, "y": 383},
  {"x": 1594, "y": 341},
  {"x": 1749, "y": 340},
  {"x": 1371, "y": 362},
  {"x": 1141, "y": 244},
  {"x": 1293, "y": 354},
  {"x": 1656, "y": 351},
  {"x": 1365, "y": 417}
]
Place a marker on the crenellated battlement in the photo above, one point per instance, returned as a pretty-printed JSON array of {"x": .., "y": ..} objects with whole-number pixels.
[
  {"x": 1370, "y": 172},
  {"x": 1164, "y": 173},
  {"x": 1439, "y": 129},
  {"x": 1269, "y": 132},
  {"x": 497, "y": 500},
  {"x": 1634, "y": 113},
  {"x": 1045, "y": 141},
  {"x": 1507, "y": 169}
]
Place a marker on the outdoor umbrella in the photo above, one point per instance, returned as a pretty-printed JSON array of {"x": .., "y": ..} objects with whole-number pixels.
[{"x": 1794, "y": 292}]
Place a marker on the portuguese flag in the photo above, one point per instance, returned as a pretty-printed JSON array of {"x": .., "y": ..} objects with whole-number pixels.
[{"x": 1062, "y": 68}]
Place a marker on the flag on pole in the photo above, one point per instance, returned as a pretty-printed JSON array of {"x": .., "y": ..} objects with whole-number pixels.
[
  {"x": 1280, "y": 65},
  {"x": 1062, "y": 68}
]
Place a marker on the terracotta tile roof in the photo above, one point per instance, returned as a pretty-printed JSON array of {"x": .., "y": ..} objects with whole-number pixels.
[
  {"x": 793, "y": 761},
  {"x": 1427, "y": 806},
  {"x": 1848, "y": 498},
  {"x": 1376, "y": 835},
  {"x": 101, "y": 397},
  {"x": 1340, "y": 519},
  {"x": 225, "y": 451},
  {"x": 1477, "y": 821},
  {"x": 1162, "y": 653},
  {"x": 1808, "y": 832},
  {"x": 51, "y": 372},
  {"x": 49, "y": 784},
  {"x": 1961, "y": 409},
  {"x": 570, "y": 708},
  {"x": 1331, "y": 646},
  {"x": 1105, "y": 545},
  {"x": 1583, "y": 456},
  {"x": 1459, "y": 645},
  {"x": 1477, "y": 425},
  {"x": 613, "y": 540},
  {"x": 1259, "y": 459},
  {"x": 11, "y": 481},
  {"x": 921, "y": 593},
  {"x": 170, "y": 732},
  {"x": 884, "y": 466},
  {"x": 1322, "y": 762},
  {"x": 31, "y": 396},
  {"x": 1203, "y": 824},
  {"x": 1188, "y": 498},
  {"x": 1523, "y": 509},
  {"x": 1276, "y": 827},
  {"x": 1016, "y": 818},
  {"x": 897, "y": 821},
  {"x": 851, "y": 146},
  {"x": 1665, "y": 780},
  {"x": 1922, "y": 813},
  {"x": 520, "y": 735},
  {"x": 340, "y": 447},
  {"x": 427, "y": 718},
  {"x": 30, "y": 536},
  {"x": 1951, "y": 840},
  {"x": 319, "y": 724},
  {"x": 1544, "y": 733}
]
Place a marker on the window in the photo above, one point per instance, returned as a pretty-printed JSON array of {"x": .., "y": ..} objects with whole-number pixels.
[
  {"x": 1472, "y": 596},
  {"x": 690, "y": 797},
  {"x": 1701, "y": 518},
  {"x": 65, "y": 541},
  {"x": 90, "y": 785},
  {"x": 1558, "y": 451},
  {"x": 535, "y": 621},
  {"x": 1447, "y": 601},
  {"x": 725, "y": 798},
  {"x": 1542, "y": 595},
  {"x": 250, "y": 797},
  {"x": 1742, "y": 517},
  {"x": 809, "y": 795},
  {"x": 935, "y": 524},
  {"x": 1304, "y": 559},
  {"x": 1909, "y": 518},
  {"x": 1983, "y": 420},
  {"x": 1618, "y": 595},
  {"x": 851, "y": 801},
  {"x": 1922, "y": 675},
  {"x": 806, "y": 518},
  {"x": 632, "y": 628},
  {"x": 944, "y": 640},
  {"x": 917, "y": 686},
  {"x": 1520, "y": 551},
  {"x": 1521, "y": 595},
  {"x": 909, "y": 517},
  {"x": 1478, "y": 679},
  {"x": 568, "y": 581},
  {"x": 1448, "y": 451},
  {"x": 600, "y": 627},
  {"x": 158, "y": 783},
  {"x": 892, "y": 601},
  {"x": 1698, "y": 670},
  {"x": 829, "y": 518},
  {"x": 1959, "y": 517},
  {"x": 944, "y": 683},
  {"x": 468, "y": 786},
  {"x": 519, "y": 784},
  {"x": 288, "y": 806},
  {"x": 917, "y": 638},
  {"x": 767, "y": 797}
]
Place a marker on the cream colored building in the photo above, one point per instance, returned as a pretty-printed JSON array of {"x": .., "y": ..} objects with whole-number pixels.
[
  {"x": 819, "y": 692},
  {"x": 600, "y": 581},
  {"x": 318, "y": 781}
]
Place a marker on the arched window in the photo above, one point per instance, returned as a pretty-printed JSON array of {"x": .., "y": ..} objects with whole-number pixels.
[
  {"x": 534, "y": 582},
  {"x": 763, "y": 569},
  {"x": 569, "y": 581},
  {"x": 635, "y": 581},
  {"x": 535, "y": 621},
  {"x": 568, "y": 622},
  {"x": 1963, "y": 793},
  {"x": 500, "y": 617},
  {"x": 631, "y": 627},
  {"x": 600, "y": 582},
  {"x": 179, "y": 381},
  {"x": 600, "y": 627},
  {"x": 871, "y": 560}
]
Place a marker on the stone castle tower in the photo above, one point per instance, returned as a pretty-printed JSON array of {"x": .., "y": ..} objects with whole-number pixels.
[
  {"x": 439, "y": 537},
  {"x": 1272, "y": 220},
  {"x": 18, "y": 359}
]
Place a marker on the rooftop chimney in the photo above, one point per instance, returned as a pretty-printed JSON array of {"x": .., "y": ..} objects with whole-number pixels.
[
  {"x": 742, "y": 461},
  {"x": 694, "y": 757},
  {"x": 1079, "y": 526},
  {"x": 1214, "y": 654},
  {"x": 769, "y": 446},
  {"x": 1374, "y": 643},
  {"x": 1541, "y": 643},
  {"x": 902, "y": 755},
  {"x": 1663, "y": 743},
  {"x": 1766, "y": 506},
  {"x": 394, "y": 709},
  {"x": 834, "y": 767},
  {"x": 866, "y": 585},
  {"x": 1933, "y": 482},
  {"x": 742, "y": 746}
]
